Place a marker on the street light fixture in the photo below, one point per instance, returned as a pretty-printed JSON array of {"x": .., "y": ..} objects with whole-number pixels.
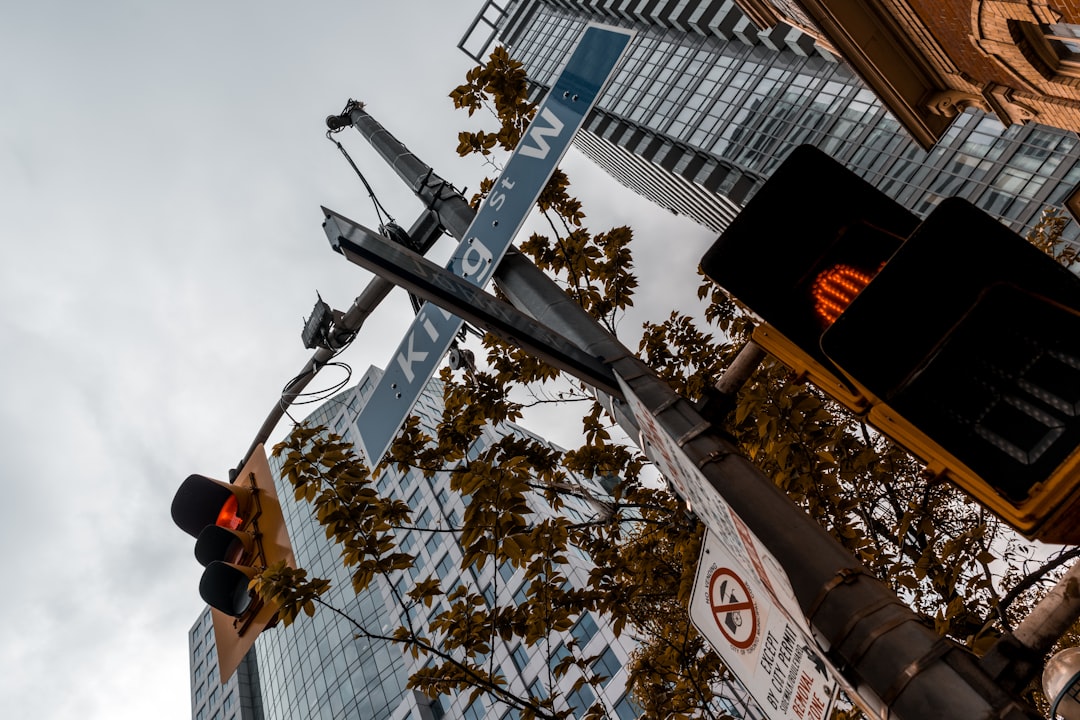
[{"x": 1061, "y": 684}]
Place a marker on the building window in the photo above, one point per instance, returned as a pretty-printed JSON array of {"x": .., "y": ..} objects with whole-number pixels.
[
  {"x": 433, "y": 543},
  {"x": 537, "y": 690},
  {"x": 384, "y": 485},
  {"x": 520, "y": 657},
  {"x": 581, "y": 700},
  {"x": 625, "y": 708},
  {"x": 557, "y": 656},
  {"x": 607, "y": 665},
  {"x": 1050, "y": 50},
  {"x": 584, "y": 630},
  {"x": 506, "y": 571},
  {"x": 401, "y": 587},
  {"x": 474, "y": 711},
  {"x": 477, "y": 447},
  {"x": 445, "y": 567},
  {"x": 1064, "y": 39}
]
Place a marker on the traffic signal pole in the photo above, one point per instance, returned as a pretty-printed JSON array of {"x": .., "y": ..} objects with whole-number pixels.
[
  {"x": 424, "y": 232},
  {"x": 897, "y": 666}
]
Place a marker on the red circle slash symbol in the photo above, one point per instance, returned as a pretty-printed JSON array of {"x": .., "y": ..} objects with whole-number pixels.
[{"x": 733, "y": 608}]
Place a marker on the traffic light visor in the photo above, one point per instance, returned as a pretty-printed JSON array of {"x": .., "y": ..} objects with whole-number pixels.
[
  {"x": 220, "y": 543},
  {"x": 224, "y": 586},
  {"x": 203, "y": 501}
]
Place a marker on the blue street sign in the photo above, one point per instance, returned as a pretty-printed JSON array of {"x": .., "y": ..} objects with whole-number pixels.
[{"x": 493, "y": 229}]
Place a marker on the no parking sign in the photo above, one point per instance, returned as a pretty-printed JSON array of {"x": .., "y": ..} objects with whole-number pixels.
[
  {"x": 733, "y": 609},
  {"x": 769, "y": 653}
]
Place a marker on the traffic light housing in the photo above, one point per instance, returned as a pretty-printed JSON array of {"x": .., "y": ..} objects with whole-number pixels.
[
  {"x": 811, "y": 236},
  {"x": 239, "y": 530},
  {"x": 962, "y": 344}
]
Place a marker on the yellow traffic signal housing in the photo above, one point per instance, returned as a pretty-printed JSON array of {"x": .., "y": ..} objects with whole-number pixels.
[
  {"x": 975, "y": 365},
  {"x": 239, "y": 530},
  {"x": 954, "y": 337},
  {"x": 810, "y": 369}
]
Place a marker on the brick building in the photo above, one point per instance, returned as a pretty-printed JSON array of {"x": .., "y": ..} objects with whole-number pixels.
[{"x": 929, "y": 60}]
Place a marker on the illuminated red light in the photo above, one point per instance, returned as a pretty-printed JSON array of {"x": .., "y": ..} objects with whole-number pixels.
[
  {"x": 229, "y": 517},
  {"x": 835, "y": 288}
]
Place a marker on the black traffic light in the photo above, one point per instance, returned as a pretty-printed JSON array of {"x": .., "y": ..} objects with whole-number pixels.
[
  {"x": 962, "y": 344},
  {"x": 810, "y": 238},
  {"x": 976, "y": 361},
  {"x": 239, "y": 531}
]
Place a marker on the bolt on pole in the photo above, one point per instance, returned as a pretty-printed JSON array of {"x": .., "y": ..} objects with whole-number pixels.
[{"x": 896, "y": 665}]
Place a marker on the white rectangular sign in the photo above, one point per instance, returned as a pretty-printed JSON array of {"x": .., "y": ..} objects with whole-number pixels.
[
  {"x": 768, "y": 651},
  {"x": 742, "y": 603}
]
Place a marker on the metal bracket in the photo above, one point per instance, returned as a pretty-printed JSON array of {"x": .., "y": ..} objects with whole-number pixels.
[
  {"x": 936, "y": 652},
  {"x": 693, "y": 432},
  {"x": 844, "y": 576}
]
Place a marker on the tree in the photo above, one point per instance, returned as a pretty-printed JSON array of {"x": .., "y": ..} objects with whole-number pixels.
[{"x": 945, "y": 555}]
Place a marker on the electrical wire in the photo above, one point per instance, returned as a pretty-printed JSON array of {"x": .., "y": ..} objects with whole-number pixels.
[
  {"x": 385, "y": 221},
  {"x": 380, "y": 211},
  {"x": 316, "y": 396}
]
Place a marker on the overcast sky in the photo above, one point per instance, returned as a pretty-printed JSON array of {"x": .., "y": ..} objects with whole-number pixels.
[{"x": 162, "y": 168}]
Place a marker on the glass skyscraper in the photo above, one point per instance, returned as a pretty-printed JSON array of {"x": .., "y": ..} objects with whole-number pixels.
[
  {"x": 317, "y": 668},
  {"x": 706, "y": 106},
  {"x": 239, "y": 698}
]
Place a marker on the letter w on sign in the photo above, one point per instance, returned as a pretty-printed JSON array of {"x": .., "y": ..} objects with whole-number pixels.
[
  {"x": 493, "y": 229},
  {"x": 539, "y": 134}
]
